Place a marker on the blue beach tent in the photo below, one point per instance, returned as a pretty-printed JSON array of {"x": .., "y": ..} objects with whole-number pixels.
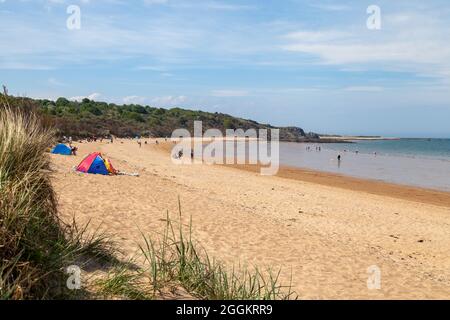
[{"x": 62, "y": 149}]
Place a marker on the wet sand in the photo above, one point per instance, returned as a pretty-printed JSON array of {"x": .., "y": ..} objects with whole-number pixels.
[
  {"x": 324, "y": 229},
  {"x": 422, "y": 195}
]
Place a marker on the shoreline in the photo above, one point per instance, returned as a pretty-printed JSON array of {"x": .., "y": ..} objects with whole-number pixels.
[{"x": 346, "y": 182}]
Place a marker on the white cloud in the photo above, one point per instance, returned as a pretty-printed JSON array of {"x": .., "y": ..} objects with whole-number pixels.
[
  {"x": 101, "y": 36},
  {"x": 408, "y": 42},
  {"x": 341, "y": 48},
  {"x": 93, "y": 96}
]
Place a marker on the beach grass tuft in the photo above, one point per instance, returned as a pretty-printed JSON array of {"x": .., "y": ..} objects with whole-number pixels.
[
  {"x": 124, "y": 283},
  {"x": 176, "y": 259}
]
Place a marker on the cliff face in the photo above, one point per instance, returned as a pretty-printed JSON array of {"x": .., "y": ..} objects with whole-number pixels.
[
  {"x": 92, "y": 118},
  {"x": 292, "y": 134}
]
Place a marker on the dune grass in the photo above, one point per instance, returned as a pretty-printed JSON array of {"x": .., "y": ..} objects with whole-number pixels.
[
  {"x": 178, "y": 261},
  {"x": 174, "y": 264},
  {"x": 35, "y": 245},
  {"x": 124, "y": 283}
]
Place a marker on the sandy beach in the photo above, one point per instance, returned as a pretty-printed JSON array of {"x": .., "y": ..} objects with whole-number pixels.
[{"x": 323, "y": 229}]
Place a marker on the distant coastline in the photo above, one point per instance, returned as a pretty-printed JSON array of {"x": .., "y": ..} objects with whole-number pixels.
[{"x": 353, "y": 138}]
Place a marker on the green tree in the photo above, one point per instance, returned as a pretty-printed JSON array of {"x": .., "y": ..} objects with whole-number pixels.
[
  {"x": 62, "y": 102},
  {"x": 228, "y": 124}
]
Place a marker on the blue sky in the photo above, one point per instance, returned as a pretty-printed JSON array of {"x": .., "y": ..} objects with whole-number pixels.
[{"x": 313, "y": 64}]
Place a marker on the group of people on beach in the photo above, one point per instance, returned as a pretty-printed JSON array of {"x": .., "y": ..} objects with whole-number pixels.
[
  {"x": 68, "y": 140},
  {"x": 139, "y": 142},
  {"x": 319, "y": 148}
]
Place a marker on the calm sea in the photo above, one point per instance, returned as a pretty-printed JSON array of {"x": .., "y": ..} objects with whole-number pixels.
[
  {"x": 430, "y": 148},
  {"x": 416, "y": 162}
]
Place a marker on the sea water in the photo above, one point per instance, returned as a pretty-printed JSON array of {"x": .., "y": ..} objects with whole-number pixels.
[{"x": 416, "y": 162}]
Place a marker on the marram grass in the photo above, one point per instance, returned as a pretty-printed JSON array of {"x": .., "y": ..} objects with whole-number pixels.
[
  {"x": 174, "y": 264},
  {"x": 35, "y": 246},
  {"x": 176, "y": 259}
]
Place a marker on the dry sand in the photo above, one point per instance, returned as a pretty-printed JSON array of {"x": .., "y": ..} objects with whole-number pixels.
[{"x": 326, "y": 231}]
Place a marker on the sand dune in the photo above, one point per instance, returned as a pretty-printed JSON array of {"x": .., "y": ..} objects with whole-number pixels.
[{"x": 325, "y": 236}]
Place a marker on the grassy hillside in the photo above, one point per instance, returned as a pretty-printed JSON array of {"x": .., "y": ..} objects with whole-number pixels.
[{"x": 88, "y": 118}]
